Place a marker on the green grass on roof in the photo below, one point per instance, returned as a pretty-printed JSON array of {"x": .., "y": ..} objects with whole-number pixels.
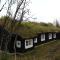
[{"x": 27, "y": 29}]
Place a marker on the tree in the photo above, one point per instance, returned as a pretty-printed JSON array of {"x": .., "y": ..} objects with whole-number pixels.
[
  {"x": 57, "y": 23},
  {"x": 2, "y": 6},
  {"x": 20, "y": 11}
]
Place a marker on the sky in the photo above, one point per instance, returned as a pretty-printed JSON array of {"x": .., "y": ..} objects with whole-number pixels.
[{"x": 44, "y": 10}]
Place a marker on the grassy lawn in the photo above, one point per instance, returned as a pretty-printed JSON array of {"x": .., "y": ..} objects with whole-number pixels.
[{"x": 47, "y": 51}]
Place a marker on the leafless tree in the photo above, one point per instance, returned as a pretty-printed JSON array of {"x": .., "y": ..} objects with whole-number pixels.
[
  {"x": 56, "y": 23},
  {"x": 2, "y": 6},
  {"x": 18, "y": 7},
  {"x": 10, "y": 3},
  {"x": 20, "y": 10}
]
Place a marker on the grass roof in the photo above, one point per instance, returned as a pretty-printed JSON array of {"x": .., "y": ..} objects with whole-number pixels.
[{"x": 26, "y": 29}]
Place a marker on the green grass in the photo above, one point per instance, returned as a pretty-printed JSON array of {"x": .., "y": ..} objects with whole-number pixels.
[
  {"x": 47, "y": 51},
  {"x": 27, "y": 29}
]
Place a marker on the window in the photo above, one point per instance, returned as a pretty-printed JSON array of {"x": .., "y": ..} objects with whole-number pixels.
[
  {"x": 54, "y": 35},
  {"x": 42, "y": 37},
  {"x": 35, "y": 40},
  {"x": 28, "y": 43},
  {"x": 50, "y": 36},
  {"x": 18, "y": 44}
]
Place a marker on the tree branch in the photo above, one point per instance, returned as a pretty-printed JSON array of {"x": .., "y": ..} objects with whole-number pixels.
[
  {"x": 2, "y": 6},
  {"x": 18, "y": 7}
]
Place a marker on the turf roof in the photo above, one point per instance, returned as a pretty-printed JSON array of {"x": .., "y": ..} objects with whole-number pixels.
[{"x": 26, "y": 29}]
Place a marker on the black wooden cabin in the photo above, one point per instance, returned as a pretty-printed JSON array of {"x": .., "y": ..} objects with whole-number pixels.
[
  {"x": 12, "y": 42},
  {"x": 19, "y": 44}
]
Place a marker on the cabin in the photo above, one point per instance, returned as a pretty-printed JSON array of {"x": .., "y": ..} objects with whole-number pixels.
[
  {"x": 13, "y": 42},
  {"x": 20, "y": 44},
  {"x": 12, "y": 39},
  {"x": 16, "y": 43}
]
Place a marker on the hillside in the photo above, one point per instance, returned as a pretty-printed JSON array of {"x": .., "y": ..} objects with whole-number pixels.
[{"x": 26, "y": 29}]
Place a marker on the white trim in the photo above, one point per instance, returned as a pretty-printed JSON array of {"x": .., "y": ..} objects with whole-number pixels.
[
  {"x": 42, "y": 37},
  {"x": 28, "y": 43},
  {"x": 50, "y": 35},
  {"x": 18, "y": 44},
  {"x": 35, "y": 40},
  {"x": 54, "y": 35}
]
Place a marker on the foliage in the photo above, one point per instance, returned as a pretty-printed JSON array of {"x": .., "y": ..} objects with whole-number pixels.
[{"x": 57, "y": 23}]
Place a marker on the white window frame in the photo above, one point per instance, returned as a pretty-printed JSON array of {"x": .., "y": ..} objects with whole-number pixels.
[
  {"x": 18, "y": 44},
  {"x": 54, "y": 35},
  {"x": 50, "y": 35},
  {"x": 28, "y": 43},
  {"x": 42, "y": 37},
  {"x": 35, "y": 40}
]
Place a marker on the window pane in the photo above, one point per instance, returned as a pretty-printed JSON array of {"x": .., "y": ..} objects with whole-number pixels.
[
  {"x": 42, "y": 37},
  {"x": 50, "y": 36},
  {"x": 35, "y": 40},
  {"x": 54, "y": 35},
  {"x": 27, "y": 42},
  {"x": 18, "y": 44}
]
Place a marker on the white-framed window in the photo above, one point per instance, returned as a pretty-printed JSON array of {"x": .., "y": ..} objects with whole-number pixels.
[
  {"x": 50, "y": 35},
  {"x": 35, "y": 40},
  {"x": 28, "y": 43},
  {"x": 54, "y": 35},
  {"x": 42, "y": 37},
  {"x": 18, "y": 44}
]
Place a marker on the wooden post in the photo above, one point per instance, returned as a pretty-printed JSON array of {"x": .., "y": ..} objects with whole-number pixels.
[{"x": 15, "y": 47}]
